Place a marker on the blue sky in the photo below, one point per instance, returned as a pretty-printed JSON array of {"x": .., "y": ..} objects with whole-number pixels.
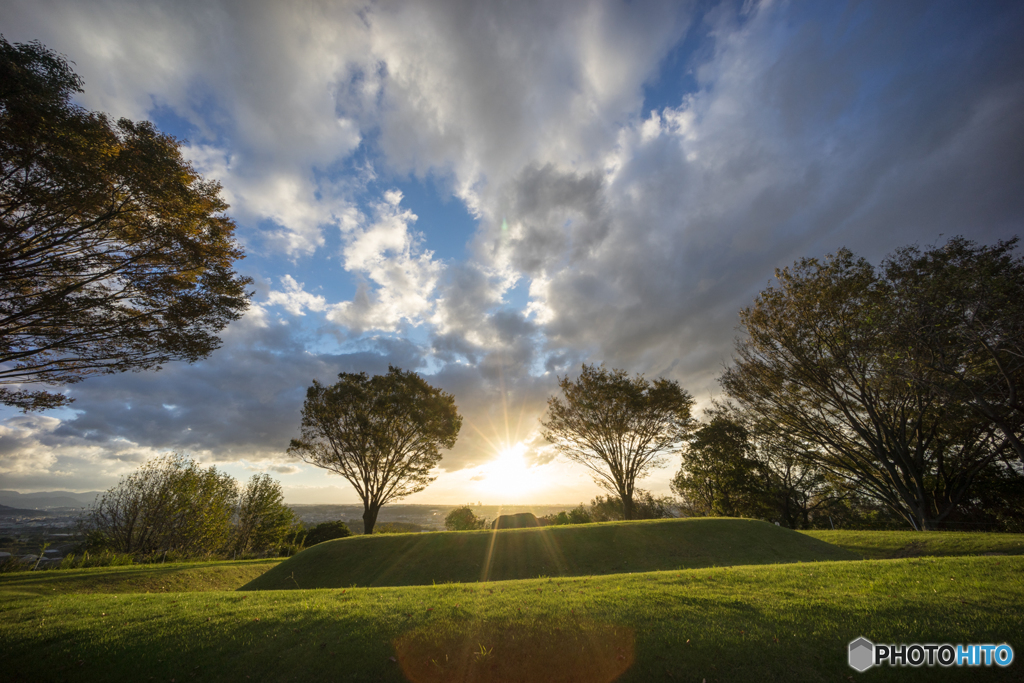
[{"x": 493, "y": 194}]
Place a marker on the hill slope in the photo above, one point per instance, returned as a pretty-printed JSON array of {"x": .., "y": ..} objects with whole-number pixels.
[
  {"x": 587, "y": 549},
  {"x": 884, "y": 545}
]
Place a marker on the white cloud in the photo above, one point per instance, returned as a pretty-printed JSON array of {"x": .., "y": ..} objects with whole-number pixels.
[
  {"x": 294, "y": 299},
  {"x": 400, "y": 276}
]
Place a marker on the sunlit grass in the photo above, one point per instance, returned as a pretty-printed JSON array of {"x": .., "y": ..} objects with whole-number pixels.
[
  {"x": 879, "y": 545},
  {"x": 756, "y": 623},
  {"x": 140, "y": 578}
]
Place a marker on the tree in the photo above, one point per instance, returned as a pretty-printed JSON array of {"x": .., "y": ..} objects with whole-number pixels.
[
  {"x": 816, "y": 365},
  {"x": 263, "y": 521},
  {"x": 963, "y": 324},
  {"x": 382, "y": 433},
  {"x": 170, "y": 504},
  {"x": 618, "y": 427},
  {"x": 115, "y": 254},
  {"x": 719, "y": 475},
  {"x": 463, "y": 519}
]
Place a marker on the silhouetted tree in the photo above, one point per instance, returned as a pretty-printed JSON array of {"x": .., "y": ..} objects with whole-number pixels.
[
  {"x": 463, "y": 519},
  {"x": 959, "y": 321},
  {"x": 382, "y": 433},
  {"x": 719, "y": 475},
  {"x": 617, "y": 426},
  {"x": 817, "y": 365}
]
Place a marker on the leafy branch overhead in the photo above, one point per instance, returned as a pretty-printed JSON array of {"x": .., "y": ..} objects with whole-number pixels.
[{"x": 115, "y": 254}]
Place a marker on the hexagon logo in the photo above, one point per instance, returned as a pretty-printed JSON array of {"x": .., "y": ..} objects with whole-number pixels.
[{"x": 862, "y": 654}]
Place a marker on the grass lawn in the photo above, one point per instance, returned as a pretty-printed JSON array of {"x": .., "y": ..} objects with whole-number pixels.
[
  {"x": 786, "y": 622},
  {"x": 574, "y": 550},
  {"x": 137, "y": 578},
  {"x": 878, "y": 545}
]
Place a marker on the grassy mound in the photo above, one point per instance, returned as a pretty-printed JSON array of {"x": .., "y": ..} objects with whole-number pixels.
[
  {"x": 884, "y": 545},
  {"x": 137, "y": 578},
  {"x": 586, "y": 549},
  {"x": 758, "y": 623}
]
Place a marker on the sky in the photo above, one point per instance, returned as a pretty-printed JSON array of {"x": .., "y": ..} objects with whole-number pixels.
[{"x": 494, "y": 193}]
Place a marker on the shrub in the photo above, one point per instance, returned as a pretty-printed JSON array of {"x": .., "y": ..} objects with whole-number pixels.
[
  {"x": 326, "y": 531},
  {"x": 263, "y": 521},
  {"x": 463, "y": 519}
]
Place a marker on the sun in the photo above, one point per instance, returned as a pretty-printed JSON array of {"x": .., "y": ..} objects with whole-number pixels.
[{"x": 508, "y": 475}]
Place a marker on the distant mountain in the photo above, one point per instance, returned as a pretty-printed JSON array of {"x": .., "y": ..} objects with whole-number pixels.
[
  {"x": 47, "y": 499},
  {"x": 14, "y": 512}
]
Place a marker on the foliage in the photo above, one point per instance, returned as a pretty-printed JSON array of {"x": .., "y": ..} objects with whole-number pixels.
[
  {"x": 815, "y": 365},
  {"x": 171, "y": 508},
  {"x": 645, "y": 506},
  {"x": 115, "y": 253},
  {"x": 463, "y": 519},
  {"x": 719, "y": 476},
  {"x": 618, "y": 427},
  {"x": 382, "y": 433},
  {"x": 578, "y": 515},
  {"x": 962, "y": 326},
  {"x": 263, "y": 521},
  {"x": 170, "y": 504},
  {"x": 326, "y": 531}
]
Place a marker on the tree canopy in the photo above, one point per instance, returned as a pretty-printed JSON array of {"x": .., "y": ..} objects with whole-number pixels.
[
  {"x": 719, "y": 475},
  {"x": 617, "y": 426},
  {"x": 817, "y": 365},
  {"x": 384, "y": 434},
  {"x": 463, "y": 519},
  {"x": 170, "y": 504},
  {"x": 961, "y": 323},
  {"x": 115, "y": 254}
]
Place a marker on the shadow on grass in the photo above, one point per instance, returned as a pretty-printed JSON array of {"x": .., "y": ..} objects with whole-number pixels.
[{"x": 588, "y": 652}]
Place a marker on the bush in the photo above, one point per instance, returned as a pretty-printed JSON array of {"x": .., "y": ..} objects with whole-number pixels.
[
  {"x": 645, "y": 506},
  {"x": 578, "y": 515},
  {"x": 263, "y": 521},
  {"x": 326, "y": 531},
  {"x": 168, "y": 504},
  {"x": 463, "y": 519},
  {"x": 173, "y": 508}
]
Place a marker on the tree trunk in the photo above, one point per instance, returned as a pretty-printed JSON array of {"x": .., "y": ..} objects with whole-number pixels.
[
  {"x": 627, "y": 506},
  {"x": 369, "y": 517}
]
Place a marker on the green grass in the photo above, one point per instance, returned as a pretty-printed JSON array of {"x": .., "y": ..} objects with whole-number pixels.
[
  {"x": 587, "y": 549},
  {"x": 878, "y": 545},
  {"x": 788, "y": 622},
  {"x": 138, "y": 578}
]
